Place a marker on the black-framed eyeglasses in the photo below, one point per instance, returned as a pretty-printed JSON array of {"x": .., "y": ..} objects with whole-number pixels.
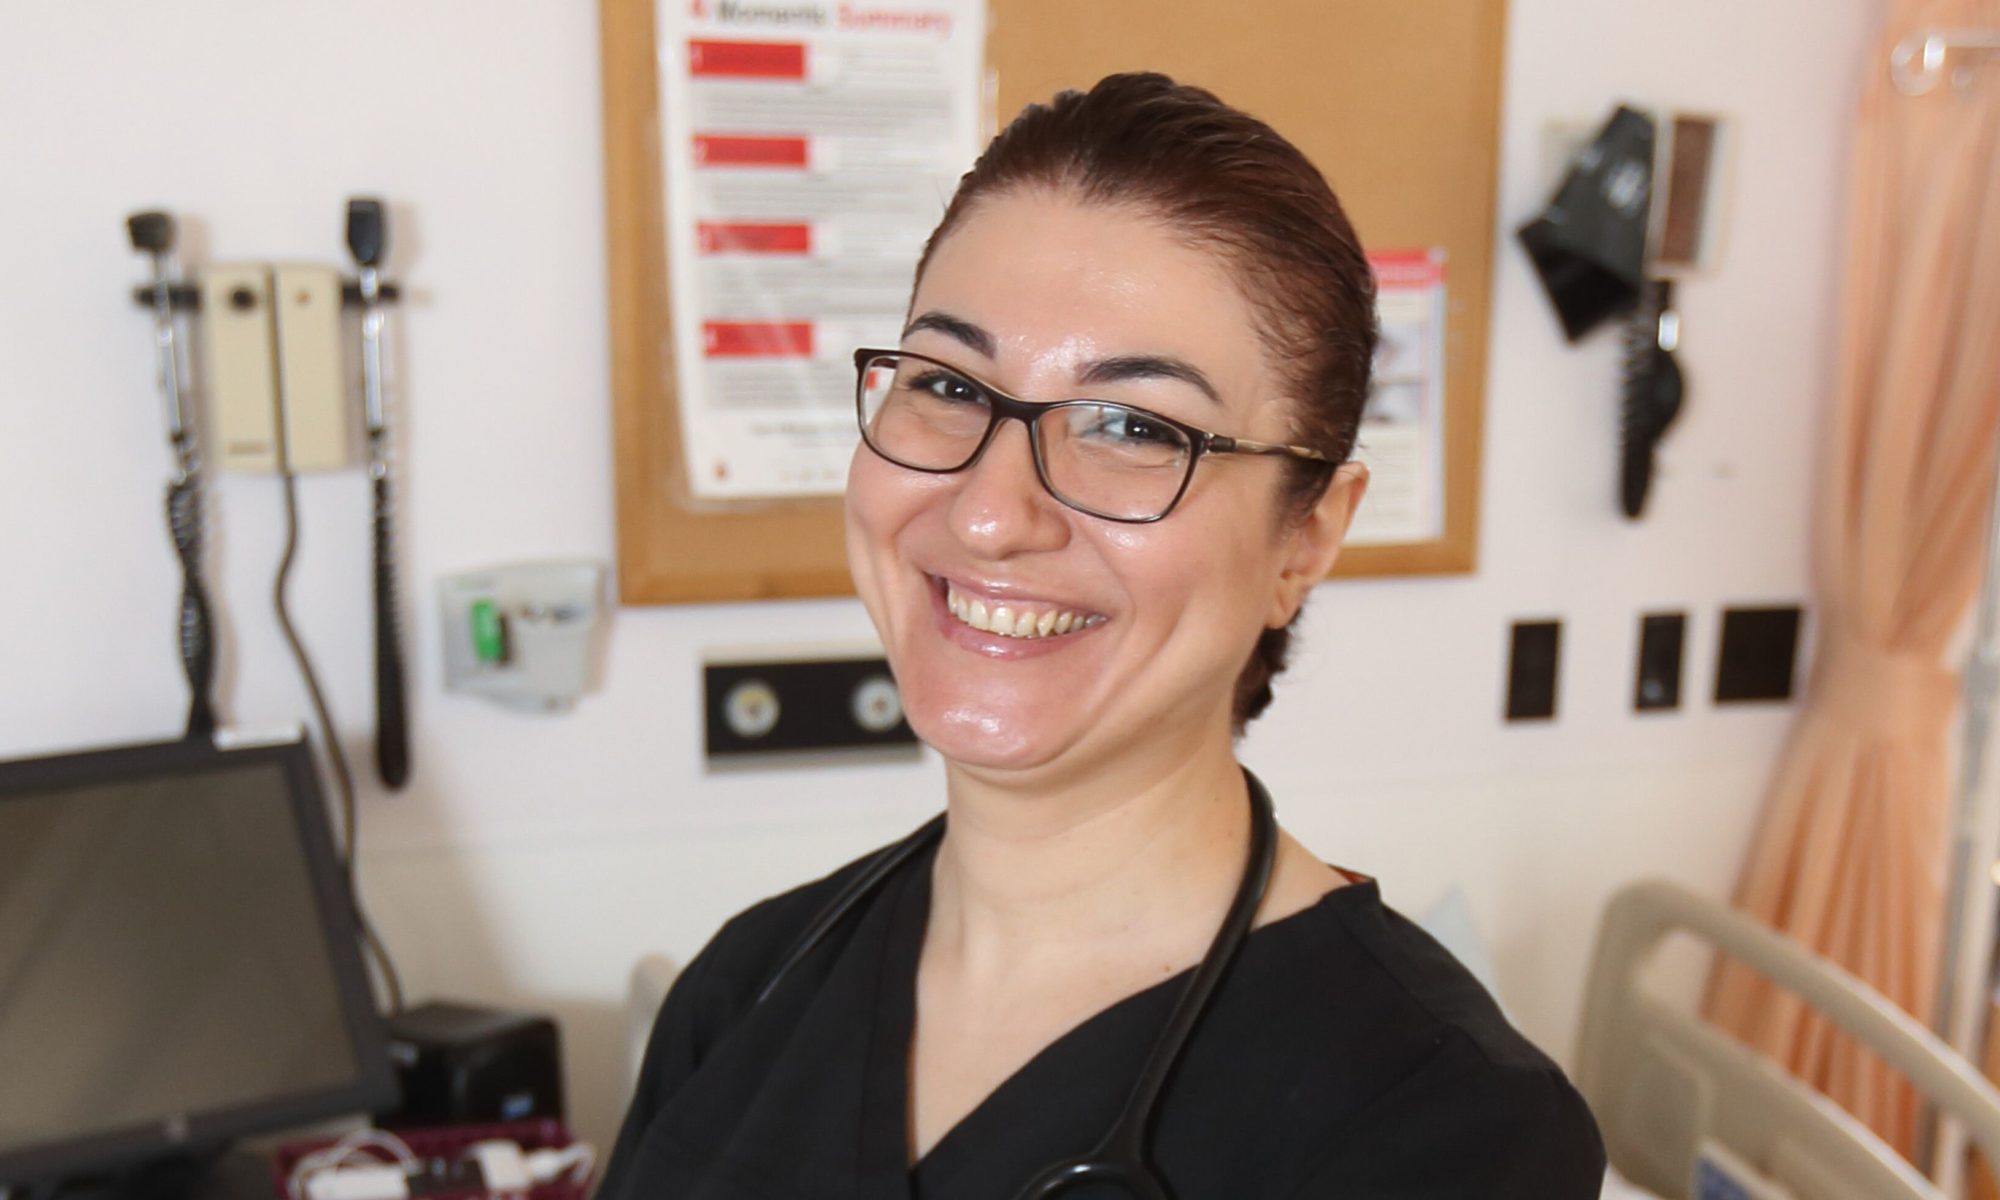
[{"x": 1108, "y": 460}]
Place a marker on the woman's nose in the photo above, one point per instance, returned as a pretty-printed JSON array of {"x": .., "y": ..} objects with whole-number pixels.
[{"x": 1000, "y": 507}]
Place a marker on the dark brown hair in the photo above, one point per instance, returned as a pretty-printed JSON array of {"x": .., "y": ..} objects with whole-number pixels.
[{"x": 1224, "y": 180}]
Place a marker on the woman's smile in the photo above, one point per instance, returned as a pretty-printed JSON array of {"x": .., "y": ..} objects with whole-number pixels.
[
  {"x": 1022, "y": 631},
  {"x": 994, "y": 620}
]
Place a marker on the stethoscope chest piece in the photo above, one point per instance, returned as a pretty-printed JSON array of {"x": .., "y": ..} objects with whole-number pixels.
[{"x": 1135, "y": 1178}]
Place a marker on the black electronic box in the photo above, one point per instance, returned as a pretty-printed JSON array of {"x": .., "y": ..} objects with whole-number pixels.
[{"x": 461, "y": 1064}]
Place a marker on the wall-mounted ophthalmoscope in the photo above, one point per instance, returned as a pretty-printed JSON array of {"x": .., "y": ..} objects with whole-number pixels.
[
  {"x": 152, "y": 234},
  {"x": 277, "y": 402}
]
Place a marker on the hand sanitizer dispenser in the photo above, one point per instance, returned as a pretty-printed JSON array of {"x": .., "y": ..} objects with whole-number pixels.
[{"x": 525, "y": 636}]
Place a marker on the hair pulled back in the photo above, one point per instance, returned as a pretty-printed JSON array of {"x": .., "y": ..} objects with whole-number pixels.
[{"x": 1227, "y": 182}]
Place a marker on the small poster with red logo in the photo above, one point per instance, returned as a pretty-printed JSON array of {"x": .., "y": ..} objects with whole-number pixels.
[
  {"x": 808, "y": 148},
  {"x": 1402, "y": 428}
]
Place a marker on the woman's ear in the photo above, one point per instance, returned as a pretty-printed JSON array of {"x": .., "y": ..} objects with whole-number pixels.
[{"x": 1315, "y": 541}]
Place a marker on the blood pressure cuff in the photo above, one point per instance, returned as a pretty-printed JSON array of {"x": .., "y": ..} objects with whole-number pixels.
[{"x": 1589, "y": 244}]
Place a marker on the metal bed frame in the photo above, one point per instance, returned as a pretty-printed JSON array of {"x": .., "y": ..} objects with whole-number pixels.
[{"x": 1662, "y": 1081}]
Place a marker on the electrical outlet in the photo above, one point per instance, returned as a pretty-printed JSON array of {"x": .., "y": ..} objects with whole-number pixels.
[
  {"x": 1758, "y": 654},
  {"x": 1533, "y": 655},
  {"x": 1661, "y": 636},
  {"x": 756, "y": 705}
]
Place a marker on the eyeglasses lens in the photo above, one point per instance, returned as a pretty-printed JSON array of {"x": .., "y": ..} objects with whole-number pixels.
[{"x": 1103, "y": 458}]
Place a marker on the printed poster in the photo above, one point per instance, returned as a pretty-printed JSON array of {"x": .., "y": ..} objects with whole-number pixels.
[
  {"x": 1402, "y": 428},
  {"x": 808, "y": 149}
]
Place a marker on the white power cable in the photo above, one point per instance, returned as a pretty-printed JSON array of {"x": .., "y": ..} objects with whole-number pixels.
[
  {"x": 347, "y": 1170},
  {"x": 578, "y": 1159},
  {"x": 318, "y": 1176}
]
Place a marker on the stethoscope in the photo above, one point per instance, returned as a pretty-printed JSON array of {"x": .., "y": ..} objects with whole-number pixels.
[{"x": 1120, "y": 1158}]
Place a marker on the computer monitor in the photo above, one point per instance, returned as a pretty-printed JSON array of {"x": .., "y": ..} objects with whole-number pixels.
[{"x": 178, "y": 963}]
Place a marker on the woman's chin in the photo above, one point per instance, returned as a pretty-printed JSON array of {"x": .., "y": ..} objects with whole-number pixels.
[{"x": 981, "y": 736}]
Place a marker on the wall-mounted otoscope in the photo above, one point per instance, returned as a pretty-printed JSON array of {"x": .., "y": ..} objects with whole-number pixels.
[
  {"x": 367, "y": 237},
  {"x": 152, "y": 234},
  {"x": 278, "y": 403}
]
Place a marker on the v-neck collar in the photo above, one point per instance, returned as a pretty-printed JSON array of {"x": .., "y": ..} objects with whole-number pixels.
[
  {"x": 1040, "y": 1106},
  {"x": 1047, "y": 1112}
]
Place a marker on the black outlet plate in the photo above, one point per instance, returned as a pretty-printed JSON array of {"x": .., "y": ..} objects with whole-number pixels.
[
  {"x": 1758, "y": 654},
  {"x": 1662, "y": 637},
  {"x": 808, "y": 705},
  {"x": 1534, "y": 653}
]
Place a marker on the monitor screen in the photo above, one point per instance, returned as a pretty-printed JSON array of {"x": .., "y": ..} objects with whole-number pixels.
[{"x": 177, "y": 960}]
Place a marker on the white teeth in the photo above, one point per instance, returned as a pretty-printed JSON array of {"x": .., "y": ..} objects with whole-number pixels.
[{"x": 1008, "y": 621}]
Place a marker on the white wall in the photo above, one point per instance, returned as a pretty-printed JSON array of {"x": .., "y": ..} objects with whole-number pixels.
[{"x": 533, "y": 858}]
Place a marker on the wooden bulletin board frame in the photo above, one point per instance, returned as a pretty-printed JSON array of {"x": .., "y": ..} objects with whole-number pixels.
[{"x": 1397, "y": 102}]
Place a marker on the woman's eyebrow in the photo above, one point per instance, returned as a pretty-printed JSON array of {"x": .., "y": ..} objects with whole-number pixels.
[
  {"x": 1104, "y": 370},
  {"x": 1148, "y": 366},
  {"x": 958, "y": 328}
]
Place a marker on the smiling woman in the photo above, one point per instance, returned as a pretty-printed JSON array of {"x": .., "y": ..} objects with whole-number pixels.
[{"x": 1096, "y": 483}]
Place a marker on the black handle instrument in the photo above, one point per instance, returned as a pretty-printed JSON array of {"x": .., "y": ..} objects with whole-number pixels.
[
  {"x": 1653, "y": 390},
  {"x": 152, "y": 234},
  {"x": 392, "y": 737},
  {"x": 367, "y": 239}
]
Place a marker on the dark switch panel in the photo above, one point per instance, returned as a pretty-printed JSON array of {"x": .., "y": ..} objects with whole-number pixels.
[
  {"x": 1759, "y": 650},
  {"x": 1661, "y": 636},
  {"x": 1531, "y": 670},
  {"x": 830, "y": 704}
]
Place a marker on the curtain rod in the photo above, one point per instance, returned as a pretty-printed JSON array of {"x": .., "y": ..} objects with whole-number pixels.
[{"x": 1918, "y": 61}]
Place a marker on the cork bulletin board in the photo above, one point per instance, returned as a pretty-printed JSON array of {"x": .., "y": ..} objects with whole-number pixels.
[{"x": 1398, "y": 103}]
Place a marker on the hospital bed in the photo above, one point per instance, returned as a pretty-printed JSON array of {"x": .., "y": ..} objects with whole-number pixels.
[{"x": 1669, "y": 1089}]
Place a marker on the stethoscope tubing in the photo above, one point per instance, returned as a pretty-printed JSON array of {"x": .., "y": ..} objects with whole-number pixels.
[
  {"x": 1120, "y": 1158},
  {"x": 870, "y": 878}
]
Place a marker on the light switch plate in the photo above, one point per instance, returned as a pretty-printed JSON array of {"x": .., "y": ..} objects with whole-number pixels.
[
  {"x": 1533, "y": 657},
  {"x": 1757, "y": 654},
  {"x": 1661, "y": 637}
]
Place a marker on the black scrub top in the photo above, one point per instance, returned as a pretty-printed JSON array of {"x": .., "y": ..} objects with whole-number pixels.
[{"x": 1347, "y": 1056}]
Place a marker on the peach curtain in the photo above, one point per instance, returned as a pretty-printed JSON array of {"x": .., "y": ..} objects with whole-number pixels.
[{"x": 1850, "y": 855}]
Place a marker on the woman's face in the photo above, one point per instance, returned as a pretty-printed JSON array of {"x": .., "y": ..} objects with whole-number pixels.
[{"x": 1050, "y": 299}]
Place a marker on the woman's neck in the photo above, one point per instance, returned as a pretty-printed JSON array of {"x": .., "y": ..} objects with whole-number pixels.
[{"x": 1144, "y": 859}]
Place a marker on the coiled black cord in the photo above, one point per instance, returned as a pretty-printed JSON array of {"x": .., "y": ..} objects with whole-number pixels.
[
  {"x": 1650, "y": 398},
  {"x": 196, "y": 633}
]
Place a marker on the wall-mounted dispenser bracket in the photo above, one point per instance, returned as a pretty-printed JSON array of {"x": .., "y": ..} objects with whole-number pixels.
[{"x": 526, "y": 636}]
